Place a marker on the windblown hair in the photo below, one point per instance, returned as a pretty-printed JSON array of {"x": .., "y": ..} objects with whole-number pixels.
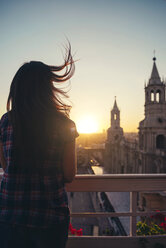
[{"x": 34, "y": 104}]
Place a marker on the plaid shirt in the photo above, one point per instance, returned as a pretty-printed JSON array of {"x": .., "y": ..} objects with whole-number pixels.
[{"x": 32, "y": 200}]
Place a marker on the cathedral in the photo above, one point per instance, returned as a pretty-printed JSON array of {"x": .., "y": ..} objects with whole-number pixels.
[{"x": 145, "y": 153}]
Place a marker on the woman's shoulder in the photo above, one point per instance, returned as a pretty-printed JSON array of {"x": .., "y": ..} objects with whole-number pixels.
[
  {"x": 65, "y": 120},
  {"x": 68, "y": 127},
  {"x": 4, "y": 119},
  {"x": 4, "y": 116}
]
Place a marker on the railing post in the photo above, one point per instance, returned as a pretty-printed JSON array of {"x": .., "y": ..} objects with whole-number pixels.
[{"x": 133, "y": 211}]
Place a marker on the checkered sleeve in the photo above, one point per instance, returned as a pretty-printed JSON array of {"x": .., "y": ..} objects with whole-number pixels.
[
  {"x": 2, "y": 123},
  {"x": 0, "y": 135},
  {"x": 0, "y": 129},
  {"x": 0, "y": 139}
]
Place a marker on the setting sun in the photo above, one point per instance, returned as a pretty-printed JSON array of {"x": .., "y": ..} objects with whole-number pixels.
[{"x": 87, "y": 125}]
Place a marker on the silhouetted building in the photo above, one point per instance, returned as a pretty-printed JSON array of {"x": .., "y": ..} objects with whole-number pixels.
[
  {"x": 147, "y": 153},
  {"x": 152, "y": 130}
]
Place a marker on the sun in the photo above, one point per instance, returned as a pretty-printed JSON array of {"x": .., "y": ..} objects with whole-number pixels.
[{"x": 87, "y": 125}]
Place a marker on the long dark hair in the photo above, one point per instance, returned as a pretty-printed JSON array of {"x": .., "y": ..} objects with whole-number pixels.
[{"x": 33, "y": 104}]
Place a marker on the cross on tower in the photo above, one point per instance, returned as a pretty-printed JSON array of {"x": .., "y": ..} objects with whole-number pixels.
[{"x": 154, "y": 53}]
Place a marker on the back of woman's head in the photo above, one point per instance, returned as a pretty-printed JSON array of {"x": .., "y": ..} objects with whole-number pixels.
[
  {"x": 33, "y": 86},
  {"x": 35, "y": 102}
]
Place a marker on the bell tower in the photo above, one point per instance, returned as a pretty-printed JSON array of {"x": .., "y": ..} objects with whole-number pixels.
[
  {"x": 113, "y": 161},
  {"x": 115, "y": 116},
  {"x": 154, "y": 94},
  {"x": 152, "y": 130},
  {"x": 115, "y": 132}
]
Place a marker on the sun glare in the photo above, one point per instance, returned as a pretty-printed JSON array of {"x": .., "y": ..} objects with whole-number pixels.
[{"x": 87, "y": 125}]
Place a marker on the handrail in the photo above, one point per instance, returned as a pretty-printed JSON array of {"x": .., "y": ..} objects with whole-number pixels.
[
  {"x": 132, "y": 183},
  {"x": 118, "y": 183}
]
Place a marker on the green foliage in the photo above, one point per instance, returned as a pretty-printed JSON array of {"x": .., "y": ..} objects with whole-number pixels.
[{"x": 144, "y": 229}]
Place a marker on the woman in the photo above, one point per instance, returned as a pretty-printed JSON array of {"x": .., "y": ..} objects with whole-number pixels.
[{"x": 37, "y": 154}]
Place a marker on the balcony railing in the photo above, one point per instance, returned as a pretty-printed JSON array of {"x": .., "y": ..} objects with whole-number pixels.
[
  {"x": 133, "y": 183},
  {"x": 118, "y": 183}
]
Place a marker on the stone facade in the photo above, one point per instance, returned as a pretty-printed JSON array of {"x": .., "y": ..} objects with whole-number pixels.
[
  {"x": 152, "y": 130},
  {"x": 147, "y": 152},
  {"x": 115, "y": 139}
]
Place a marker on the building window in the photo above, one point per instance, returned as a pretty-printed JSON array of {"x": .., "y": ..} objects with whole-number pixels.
[
  {"x": 147, "y": 96},
  {"x": 158, "y": 96},
  {"x": 160, "y": 142},
  {"x": 115, "y": 116},
  {"x": 152, "y": 96}
]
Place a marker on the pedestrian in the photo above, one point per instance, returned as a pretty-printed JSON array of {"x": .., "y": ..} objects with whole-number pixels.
[{"x": 37, "y": 154}]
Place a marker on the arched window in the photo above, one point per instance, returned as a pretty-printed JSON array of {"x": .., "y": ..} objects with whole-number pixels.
[
  {"x": 160, "y": 141},
  {"x": 115, "y": 116},
  {"x": 152, "y": 96},
  {"x": 158, "y": 96}
]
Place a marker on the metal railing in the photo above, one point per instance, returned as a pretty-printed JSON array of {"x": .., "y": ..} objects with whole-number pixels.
[{"x": 132, "y": 183}]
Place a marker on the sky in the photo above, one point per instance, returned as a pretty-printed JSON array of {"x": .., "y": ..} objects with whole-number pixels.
[{"x": 113, "y": 42}]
